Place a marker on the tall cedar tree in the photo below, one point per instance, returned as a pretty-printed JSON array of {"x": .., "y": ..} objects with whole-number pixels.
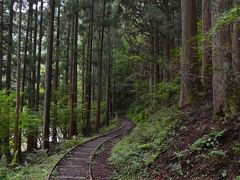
[
  {"x": 99, "y": 84},
  {"x": 1, "y": 43},
  {"x": 17, "y": 143},
  {"x": 56, "y": 75},
  {"x": 188, "y": 64},
  {"x": 73, "y": 91},
  {"x": 220, "y": 59},
  {"x": 37, "y": 101},
  {"x": 88, "y": 81},
  {"x": 236, "y": 56},
  {"x": 206, "y": 78},
  {"x": 48, "y": 75}
]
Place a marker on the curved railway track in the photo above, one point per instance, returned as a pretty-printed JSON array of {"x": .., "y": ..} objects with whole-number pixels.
[{"x": 77, "y": 163}]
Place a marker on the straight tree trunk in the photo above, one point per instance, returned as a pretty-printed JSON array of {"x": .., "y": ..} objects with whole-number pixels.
[
  {"x": 48, "y": 76},
  {"x": 236, "y": 57},
  {"x": 166, "y": 48},
  {"x": 188, "y": 65},
  {"x": 156, "y": 54},
  {"x": 30, "y": 88},
  {"x": 56, "y": 77},
  {"x": 206, "y": 77},
  {"x": 220, "y": 59},
  {"x": 26, "y": 50},
  {"x": 99, "y": 84},
  {"x": 68, "y": 58},
  {"x": 108, "y": 78},
  {"x": 17, "y": 143},
  {"x": 73, "y": 100},
  {"x": 35, "y": 57},
  {"x": 88, "y": 128},
  {"x": 1, "y": 43},
  {"x": 39, "y": 57},
  {"x": 5, "y": 145},
  {"x": 10, "y": 47}
]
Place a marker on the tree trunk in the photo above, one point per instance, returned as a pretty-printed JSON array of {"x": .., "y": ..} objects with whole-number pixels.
[
  {"x": 10, "y": 47},
  {"x": 166, "y": 48},
  {"x": 1, "y": 43},
  {"x": 26, "y": 49},
  {"x": 30, "y": 88},
  {"x": 88, "y": 128},
  {"x": 73, "y": 100},
  {"x": 48, "y": 76},
  {"x": 220, "y": 59},
  {"x": 206, "y": 46},
  {"x": 5, "y": 145},
  {"x": 39, "y": 58},
  {"x": 56, "y": 77},
  {"x": 156, "y": 54},
  {"x": 16, "y": 138},
  {"x": 188, "y": 65},
  {"x": 99, "y": 84},
  {"x": 108, "y": 78},
  {"x": 236, "y": 57}
]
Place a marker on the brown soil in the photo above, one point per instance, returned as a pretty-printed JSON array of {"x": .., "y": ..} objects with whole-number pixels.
[
  {"x": 177, "y": 161},
  {"x": 102, "y": 169}
]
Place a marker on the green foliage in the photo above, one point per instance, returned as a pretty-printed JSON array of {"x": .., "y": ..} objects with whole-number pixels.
[
  {"x": 133, "y": 154},
  {"x": 208, "y": 141},
  {"x": 7, "y": 109},
  {"x": 167, "y": 92},
  {"x": 217, "y": 154},
  {"x": 225, "y": 19}
]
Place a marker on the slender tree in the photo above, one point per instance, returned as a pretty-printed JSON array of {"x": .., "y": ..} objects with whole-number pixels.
[
  {"x": 166, "y": 48},
  {"x": 56, "y": 76},
  {"x": 220, "y": 59},
  {"x": 236, "y": 56},
  {"x": 17, "y": 143},
  {"x": 88, "y": 87},
  {"x": 73, "y": 92},
  {"x": 99, "y": 84},
  {"x": 39, "y": 57},
  {"x": 10, "y": 47},
  {"x": 189, "y": 31},
  {"x": 206, "y": 78},
  {"x": 48, "y": 76},
  {"x": 26, "y": 50},
  {"x": 1, "y": 43}
]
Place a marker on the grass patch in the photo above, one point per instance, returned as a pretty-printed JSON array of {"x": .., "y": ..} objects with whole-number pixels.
[
  {"x": 39, "y": 164},
  {"x": 133, "y": 154}
]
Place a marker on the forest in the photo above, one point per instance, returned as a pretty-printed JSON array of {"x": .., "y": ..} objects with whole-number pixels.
[{"x": 119, "y": 89}]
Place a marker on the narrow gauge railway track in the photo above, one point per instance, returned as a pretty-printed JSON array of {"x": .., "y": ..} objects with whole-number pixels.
[{"x": 77, "y": 163}]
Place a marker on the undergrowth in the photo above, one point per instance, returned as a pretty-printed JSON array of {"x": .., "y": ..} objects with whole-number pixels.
[
  {"x": 133, "y": 155},
  {"x": 38, "y": 164}
]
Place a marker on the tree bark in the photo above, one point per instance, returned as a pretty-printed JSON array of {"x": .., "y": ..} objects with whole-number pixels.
[
  {"x": 236, "y": 57},
  {"x": 39, "y": 57},
  {"x": 108, "y": 78},
  {"x": 87, "y": 118},
  {"x": 73, "y": 100},
  {"x": 220, "y": 59},
  {"x": 99, "y": 85},
  {"x": 10, "y": 47},
  {"x": 26, "y": 49},
  {"x": 166, "y": 48},
  {"x": 1, "y": 43},
  {"x": 48, "y": 76},
  {"x": 56, "y": 76},
  {"x": 188, "y": 65},
  {"x": 206, "y": 46},
  {"x": 17, "y": 143}
]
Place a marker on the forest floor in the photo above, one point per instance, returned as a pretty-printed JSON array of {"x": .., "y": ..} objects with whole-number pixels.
[
  {"x": 200, "y": 147},
  {"x": 102, "y": 169}
]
